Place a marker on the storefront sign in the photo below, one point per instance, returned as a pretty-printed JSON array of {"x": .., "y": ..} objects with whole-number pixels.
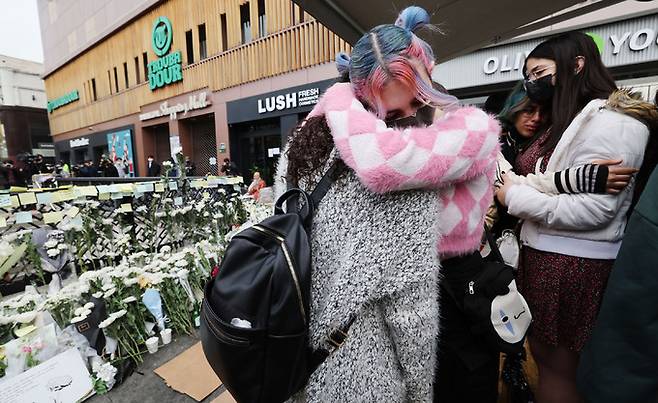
[
  {"x": 63, "y": 100},
  {"x": 194, "y": 102},
  {"x": 81, "y": 142},
  {"x": 168, "y": 68},
  {"x": 120, "y": 145},
  {"x": 636, "y": 41},
  {"x": 289, "y": 100},
  {"x": 621, "y": 43},
  {"x": 639, "y": 40}
]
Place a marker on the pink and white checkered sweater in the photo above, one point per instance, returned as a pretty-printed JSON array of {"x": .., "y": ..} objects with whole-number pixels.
[{"x": 456, "y": 155}]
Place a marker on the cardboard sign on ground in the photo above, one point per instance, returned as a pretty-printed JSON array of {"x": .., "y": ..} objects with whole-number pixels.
[
  {"x": 190, "y": 373},
  {"x": 225, "y": 397}
]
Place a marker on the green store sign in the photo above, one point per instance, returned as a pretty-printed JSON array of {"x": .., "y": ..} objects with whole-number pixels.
[
  {"x": 63, "y": 100},
  {"x": 167, "y": 69}
]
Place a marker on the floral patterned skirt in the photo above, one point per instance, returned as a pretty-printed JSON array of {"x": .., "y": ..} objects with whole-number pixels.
[{"x": 564, "y": 294}]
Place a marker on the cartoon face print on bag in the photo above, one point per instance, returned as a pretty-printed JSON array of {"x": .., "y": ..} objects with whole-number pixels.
[{"x": 510, "y": 315}]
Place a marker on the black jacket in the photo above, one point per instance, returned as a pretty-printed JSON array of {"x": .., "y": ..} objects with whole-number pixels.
[
  {"x": 620, "y": 361},
  {"x": 153, "y": 170}
]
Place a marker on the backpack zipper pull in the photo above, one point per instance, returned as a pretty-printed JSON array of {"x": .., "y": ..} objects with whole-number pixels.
[{"x": 471, "y": 289}]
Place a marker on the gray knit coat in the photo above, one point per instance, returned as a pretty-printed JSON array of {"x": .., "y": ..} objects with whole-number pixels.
[{"x": 374, "y": 256}]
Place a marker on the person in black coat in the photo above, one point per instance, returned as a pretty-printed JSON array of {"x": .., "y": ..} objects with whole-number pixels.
[
  {"x": 109, "y": 170},
  {"x": 88, "y": 170},
  {"x": 152, "y": 167}
]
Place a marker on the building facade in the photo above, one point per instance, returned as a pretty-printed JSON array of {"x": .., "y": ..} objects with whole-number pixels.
[
  {"x": 627, "y": 35},
  {"x": 215, "y": 78},
  {"x": 23, "y": 117}
]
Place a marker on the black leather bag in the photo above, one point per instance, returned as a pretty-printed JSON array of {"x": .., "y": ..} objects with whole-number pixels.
[{"x": 255, "y": 313}]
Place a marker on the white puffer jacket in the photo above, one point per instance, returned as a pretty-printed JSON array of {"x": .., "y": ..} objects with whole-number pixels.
[{"x": 585, "y": 224}]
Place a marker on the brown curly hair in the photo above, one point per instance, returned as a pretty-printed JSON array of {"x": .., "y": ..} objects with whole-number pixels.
[{"x": 308, "y": 149}]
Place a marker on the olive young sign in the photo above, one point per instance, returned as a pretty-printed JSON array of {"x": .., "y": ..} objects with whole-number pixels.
[
  {"x": 167, "y": 69},
  {"x": 622, "y": 43}
]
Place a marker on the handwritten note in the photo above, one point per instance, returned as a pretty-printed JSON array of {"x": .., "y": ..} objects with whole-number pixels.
[
  {"x": 23, "y": 217},
  {"x": 144, "y": 187},
  {"x": 53, "y": 217},
  {"x": 73, "y": 211},
  {"x": 5, "y": 200},
  {"x": 44, "y": 198},
  {"x": 27, "y": 198}
]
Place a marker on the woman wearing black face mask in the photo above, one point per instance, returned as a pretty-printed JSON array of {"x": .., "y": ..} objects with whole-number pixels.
[{"x": 571, "y": 240}]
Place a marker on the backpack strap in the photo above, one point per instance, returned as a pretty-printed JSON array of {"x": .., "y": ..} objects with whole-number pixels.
[
  {"x": 493, "y": 245},
  {"x": 335, "y": 338},
  {"x": 335, "y": 170},
  {"x": 329, "y": 177}
]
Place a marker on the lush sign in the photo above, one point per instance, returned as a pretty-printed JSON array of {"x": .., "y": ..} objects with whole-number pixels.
[
  {"x": 168, "y": 68},
  {"x": 290, "y": 100},
  {"x": 63, "y": 100}
]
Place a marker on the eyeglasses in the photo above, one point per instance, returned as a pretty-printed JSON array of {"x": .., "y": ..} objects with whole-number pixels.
[{"x": 538, "y": 72}]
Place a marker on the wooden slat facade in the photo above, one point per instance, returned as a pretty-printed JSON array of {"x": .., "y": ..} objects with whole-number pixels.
[{"x": 287, "y": 45}]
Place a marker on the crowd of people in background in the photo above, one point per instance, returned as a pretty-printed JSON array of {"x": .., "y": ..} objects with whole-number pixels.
[{"x": 21, "y": 174}]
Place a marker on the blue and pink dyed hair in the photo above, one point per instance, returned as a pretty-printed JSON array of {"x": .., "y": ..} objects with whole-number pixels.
[{"x": 384, "y": 54}]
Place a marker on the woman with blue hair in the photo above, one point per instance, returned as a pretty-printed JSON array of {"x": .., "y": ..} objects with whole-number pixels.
[{"x": 375, "y": 241}]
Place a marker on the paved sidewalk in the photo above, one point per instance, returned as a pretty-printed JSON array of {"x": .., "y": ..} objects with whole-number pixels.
[{"x": 144, "y": 386}]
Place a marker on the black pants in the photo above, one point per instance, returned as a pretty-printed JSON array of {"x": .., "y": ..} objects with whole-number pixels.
[{"x": 467, "y": 368}]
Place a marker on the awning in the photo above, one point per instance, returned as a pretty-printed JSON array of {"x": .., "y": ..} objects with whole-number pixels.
[{"x": 468, "y": 24}]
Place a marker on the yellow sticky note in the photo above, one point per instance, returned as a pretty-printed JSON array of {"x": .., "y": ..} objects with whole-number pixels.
[
  {"x": 66, "y": 195},
  {"x": 198, "y": 183},
  {"x": 126, "y": 188},
  {"x": 53, "y": 217},
  {"x": 14, "y": 202},
  {"x": 88, "y": 190},
  {"x": 126, "y": 208},
  {"x": 104, "y": 196},
  {"x": 206, "y": 195},
  {"x": 3, "y": 221},
  {"x": 27, "y": 198},
  {"x": 25, "y": 330},
  {"x": 159, "y": 187},
  {"x": 73, "y": 211}
]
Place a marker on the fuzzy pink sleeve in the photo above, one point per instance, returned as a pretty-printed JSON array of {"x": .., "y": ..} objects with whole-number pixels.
[{"x": 457, "y": 148}]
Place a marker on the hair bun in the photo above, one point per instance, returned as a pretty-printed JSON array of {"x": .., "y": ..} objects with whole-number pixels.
[
  {"x": 413, "y": 18},
  {"x": 343, "y": 63}
]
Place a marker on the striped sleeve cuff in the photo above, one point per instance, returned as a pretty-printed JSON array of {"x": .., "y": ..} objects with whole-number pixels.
[{"x": 588, "y": 178}]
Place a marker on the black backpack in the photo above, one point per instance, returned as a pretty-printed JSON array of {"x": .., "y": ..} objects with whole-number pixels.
[{"x": 255, "y": 313}]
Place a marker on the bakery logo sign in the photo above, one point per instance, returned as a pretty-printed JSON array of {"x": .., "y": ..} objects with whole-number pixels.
[
  {"x": 290, "y": 100},
  {"x": 167, "y": 69},
  {"x": 196, "y": 101}
]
